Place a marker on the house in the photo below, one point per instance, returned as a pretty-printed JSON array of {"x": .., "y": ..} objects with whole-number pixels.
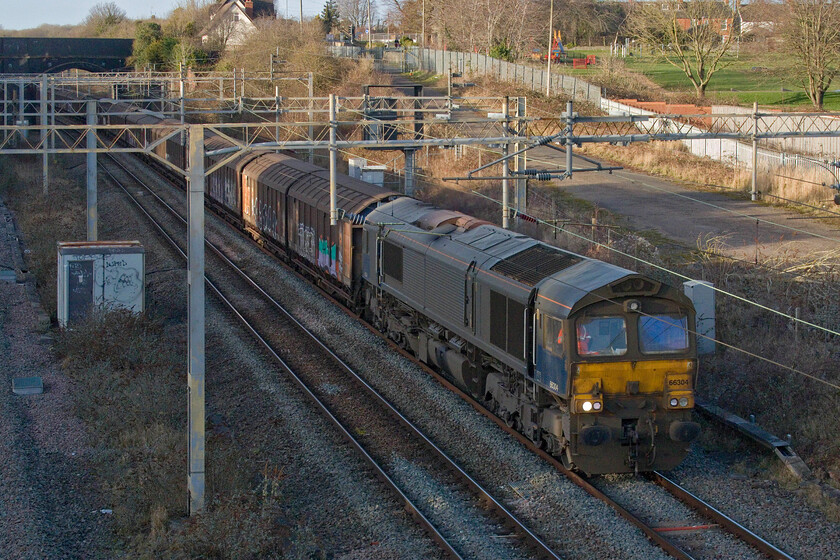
[
  {"x": 721, "y": 26},
  {"x": 231, "y": 21},
  {"x": 760, "y": 20}
]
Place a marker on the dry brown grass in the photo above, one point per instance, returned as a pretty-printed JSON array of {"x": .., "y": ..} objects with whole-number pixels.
[
  {"x": 674, "y": 161},
  {"x": 45, "y": 220},
  {"x": 129, "y": 394},
  {"x": 621, "y": 83},
  {"x": 783, "y": 401},
  {"x": 129, "y": 390},
  {"x": 785, "y": 184}
]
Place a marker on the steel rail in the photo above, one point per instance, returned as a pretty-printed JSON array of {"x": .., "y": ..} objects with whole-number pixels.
[
  {"x": 726, "y": 522},
  {"x": 415, "y": 512},
  {"x": 577, "y": 479},
  {"x": 510, "y": 519},
  {"x": 655, "y": 536}
]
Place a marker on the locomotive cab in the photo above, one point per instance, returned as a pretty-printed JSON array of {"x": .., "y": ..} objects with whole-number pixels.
[{"x": 621, "y": 362}]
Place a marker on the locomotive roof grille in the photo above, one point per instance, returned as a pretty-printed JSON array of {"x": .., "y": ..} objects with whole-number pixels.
[{"x": 535, "y": 264}]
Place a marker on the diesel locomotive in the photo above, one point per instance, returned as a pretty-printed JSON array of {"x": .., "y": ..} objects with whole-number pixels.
[{"x": 593, "y": 362}]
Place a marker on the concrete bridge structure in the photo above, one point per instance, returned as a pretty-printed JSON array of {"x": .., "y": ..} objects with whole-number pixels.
[{"x": 35, "y": 55}]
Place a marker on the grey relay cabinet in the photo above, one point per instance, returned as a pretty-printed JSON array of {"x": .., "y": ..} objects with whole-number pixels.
[{"x": 99, "y": 274}]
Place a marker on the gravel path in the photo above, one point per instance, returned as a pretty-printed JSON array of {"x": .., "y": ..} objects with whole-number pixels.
[
  {"x": 48, "y": 502},
  {"x": 747, "y": 494}
]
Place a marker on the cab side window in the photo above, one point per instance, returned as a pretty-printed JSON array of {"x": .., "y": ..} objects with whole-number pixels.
[
  {"x": 601, "y": 336},
  {"x": 552, "y": 335}
]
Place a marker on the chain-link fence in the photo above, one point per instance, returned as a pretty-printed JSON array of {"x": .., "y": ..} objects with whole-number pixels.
[{"x": 475, "y": 64}]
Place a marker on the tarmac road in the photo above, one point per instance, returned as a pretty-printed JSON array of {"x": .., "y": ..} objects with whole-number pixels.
[
  {"x": 749, "y": 230},
  {"x": 684, "y": 214}
]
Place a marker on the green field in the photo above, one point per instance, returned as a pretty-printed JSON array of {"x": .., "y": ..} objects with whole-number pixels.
[{"x": 765, "y": 78}]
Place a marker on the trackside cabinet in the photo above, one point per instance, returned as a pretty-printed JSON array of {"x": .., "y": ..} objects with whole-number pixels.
[
  {"x": 99, "y": 274},
  {"x": 702, "y": 295}
]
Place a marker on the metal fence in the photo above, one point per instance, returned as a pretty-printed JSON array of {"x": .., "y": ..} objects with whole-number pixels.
[
  {"x": 472, "y": 64},
  {"x": 738, "y": 153},
  {"x": 828, "y": 147}
]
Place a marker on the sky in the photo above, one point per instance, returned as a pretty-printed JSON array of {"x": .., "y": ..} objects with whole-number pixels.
[{"x": 16, "y": 15}]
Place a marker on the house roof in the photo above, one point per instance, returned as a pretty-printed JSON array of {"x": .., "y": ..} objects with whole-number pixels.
[
  {"x": 262, "y": 8},
  {"x": 763, "y": 12}
]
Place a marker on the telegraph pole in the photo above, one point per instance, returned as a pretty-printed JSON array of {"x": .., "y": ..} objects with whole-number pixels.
[
  {"x": 505, "y": 169},
  {"x": 333, "y": 160},
  {"x": 754, "y": 177},
  {"x": 550, "y": 44},
  {"x": 370, "y": 26},
  {"x": 45, "y": 170},
  {"x": 195, "y": 336},
  {"x": 92, "y": 211}
]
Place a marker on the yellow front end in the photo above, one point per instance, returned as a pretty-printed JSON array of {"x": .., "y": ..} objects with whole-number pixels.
[{"x": 632, "y": 415}]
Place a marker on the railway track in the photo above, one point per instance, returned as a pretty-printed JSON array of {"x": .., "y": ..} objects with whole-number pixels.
[
  {"x": 386, "y": 439},
  {"x": 685, "y": 542}
]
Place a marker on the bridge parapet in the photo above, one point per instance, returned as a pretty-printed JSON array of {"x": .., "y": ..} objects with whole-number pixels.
[{"x": 39, "y": 55}]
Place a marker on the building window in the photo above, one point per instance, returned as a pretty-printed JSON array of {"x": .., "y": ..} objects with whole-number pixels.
[
  {"x": 723, "y": 25},
  {"x": 235, "y": 16}
]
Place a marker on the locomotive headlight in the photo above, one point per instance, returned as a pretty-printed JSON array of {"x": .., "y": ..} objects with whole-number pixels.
[
  {"x": 684, "y": 401},
  {"x": 674, "y": 402},
  {"x": 587, "y": 406},
  {"x": 596, "y": 406}
]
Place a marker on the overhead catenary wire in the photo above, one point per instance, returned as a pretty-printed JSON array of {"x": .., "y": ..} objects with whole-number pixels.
[
  {"x": 689, "y": 330},
  {"x": 722, "y": 343},
  {"x": 664, "y": 269},
  {"x": 717, "y": 289},
  {"x": 680, "y": 275},
  {"x": 745, "y": 300}
]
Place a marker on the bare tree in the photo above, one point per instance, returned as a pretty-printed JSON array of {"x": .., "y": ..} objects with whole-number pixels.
[
  {"x": 812, "y": 33},
  {"x": 104, "y": 16},
  {"x": 189, "y": 19},
  {"x": 222, "y": 29},
  {"x": 693, "y": 36},
  {"x": 521, "y": 24},
  {"x": 356, "y": 11}
]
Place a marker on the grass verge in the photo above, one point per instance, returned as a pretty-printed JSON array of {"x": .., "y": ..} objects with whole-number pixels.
[{"x": 129, "y": 389}]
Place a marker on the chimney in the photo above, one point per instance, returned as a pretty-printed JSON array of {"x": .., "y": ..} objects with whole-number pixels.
[{"x": 249, "y": 9}]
